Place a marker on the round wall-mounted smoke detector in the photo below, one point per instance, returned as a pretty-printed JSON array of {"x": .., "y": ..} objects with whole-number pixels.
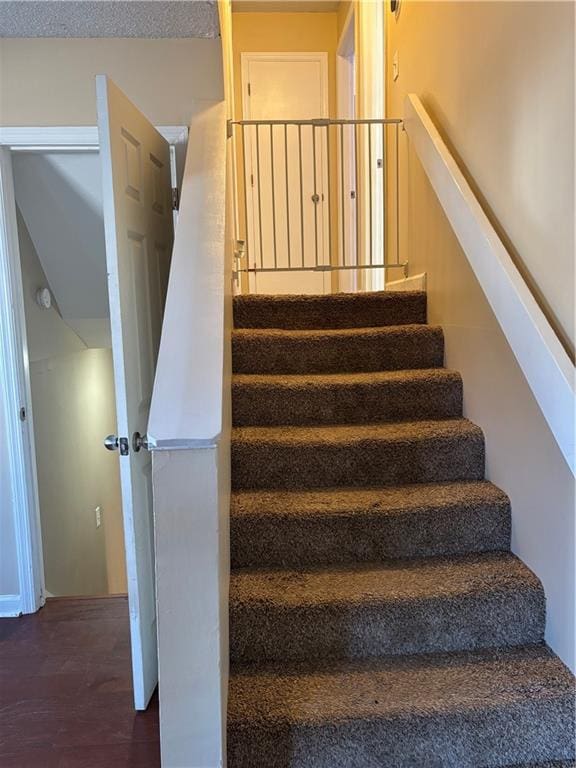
[{"x": 44, "y": 298}]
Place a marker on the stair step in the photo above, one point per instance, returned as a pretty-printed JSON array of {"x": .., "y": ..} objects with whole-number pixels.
[
  {"x": 457, "y": 710},
  {"x": 358, "y": 455},
  {"x": 399, "y": 347},
  {"x": 407, "y": 607},
  {"x": 340, "y": 310},
  {"x": 554, "y": 764},
  {"x": 350, "y": 398},
  {"x": 346, "y": 525}
]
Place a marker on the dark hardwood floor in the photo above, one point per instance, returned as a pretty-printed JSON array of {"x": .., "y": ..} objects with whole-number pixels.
[{"x": 66, "y": 691}]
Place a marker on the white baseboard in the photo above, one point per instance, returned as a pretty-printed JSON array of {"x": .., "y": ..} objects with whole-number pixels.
[
  {"x": 10, "y": 606},
  {"x": 414, "y": 283}
]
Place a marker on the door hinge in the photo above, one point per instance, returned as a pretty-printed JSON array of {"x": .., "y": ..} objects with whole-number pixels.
[
  {"x": 251, "y": 179},
  {"x": 249, "y": 90},
  {"x": 175, "y": 199}
]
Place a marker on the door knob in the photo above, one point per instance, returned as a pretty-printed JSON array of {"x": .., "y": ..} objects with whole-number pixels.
[
  {"x": 139, "y": 441},
  {"x": 113, "y": 443}
]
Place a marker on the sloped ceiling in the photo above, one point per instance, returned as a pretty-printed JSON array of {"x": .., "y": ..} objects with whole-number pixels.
[
  {"x": 109, "y": 18},
  {"x": 59, "y": 195}
]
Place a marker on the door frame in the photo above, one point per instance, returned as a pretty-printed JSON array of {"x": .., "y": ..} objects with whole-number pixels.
[
  {"x": 347, "y": 280},
  {"x": 15, "y": 391},
  {"x": 246, "y": 57}
]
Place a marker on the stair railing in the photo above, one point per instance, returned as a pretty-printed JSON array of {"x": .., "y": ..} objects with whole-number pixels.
[{"x": 318, "y": 195}]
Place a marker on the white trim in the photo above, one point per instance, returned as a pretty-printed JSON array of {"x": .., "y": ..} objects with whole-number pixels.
[
  {"x": 10, "y": 606},
  {"x": 346, "y": 109},
  {"x": 43, "y": 138},
  {"x": 343, "y": 49},
  {"x": 542, "y": 358},
  {"x": 15, "y": 389}
]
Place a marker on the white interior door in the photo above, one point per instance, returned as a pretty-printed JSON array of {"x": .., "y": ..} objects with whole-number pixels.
[
  {"x": 286, "y": 170},
  {"x": 139, "y": 234}
]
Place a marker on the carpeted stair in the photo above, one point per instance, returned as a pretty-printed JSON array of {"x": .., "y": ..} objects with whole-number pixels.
[{"x": 377, "y": 615}]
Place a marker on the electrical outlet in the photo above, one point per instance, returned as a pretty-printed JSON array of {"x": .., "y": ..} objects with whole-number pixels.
[{"x": 98, "y": 513}]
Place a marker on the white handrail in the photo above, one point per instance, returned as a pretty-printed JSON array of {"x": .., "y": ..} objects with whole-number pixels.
[
  {"x": 543, "y": 360},
  {"x": 186, "y": 410}
]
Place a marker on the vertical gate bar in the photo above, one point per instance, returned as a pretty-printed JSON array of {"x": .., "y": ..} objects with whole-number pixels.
[
  {"x": 287, "y": 195},
  {"x": 259, "y": 194},
  {"x": 315, "y": 195},
  {"x": 369, "y": 126},
  {"x": 342, "y": 194},
  {"x": 397, "y": 198},
  {"x": 273, "y": 195},
  {"x": 301, "y": 193},
  {"x": 357, "y": 194},
  {"x": 384, "y": 185},
  {"x": 329, "y": 194},
  {"x": 246, "y": 244}
]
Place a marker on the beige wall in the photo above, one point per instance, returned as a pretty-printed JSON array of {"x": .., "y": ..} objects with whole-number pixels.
[
  {"x": 498, "y": 79},
  {"x": 73, "y": 409},
  {"x": 51, "y": 81},
  {"x": 343, "y": 11},
  {"x": 512, "y": 128}
]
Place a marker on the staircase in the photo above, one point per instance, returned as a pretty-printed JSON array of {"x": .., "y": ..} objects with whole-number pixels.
[{"x": 377, "y": 615}]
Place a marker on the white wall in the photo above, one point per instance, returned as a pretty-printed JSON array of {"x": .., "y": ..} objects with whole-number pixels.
[{"x": 73, "y": 409}]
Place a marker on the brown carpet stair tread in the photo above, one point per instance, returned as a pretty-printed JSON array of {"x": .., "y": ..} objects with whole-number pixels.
[
  {"x": 427, "y": 684},
  {"x": 300, "y": 528},
  {"x": 357, "y": 455},
  {"x": 329, "y": 311},
  {"x": 429, "y": 578},
  {"x": 366, "y": 611},
  {"x": 346, "y": 434},
  {"x": 485, "y": 708},
  {"x": 333, "y": 398},
  {"x": 337, "y": 350},
  {"x": 388, "y": 501},
  {"x": 319, "y": 380}
]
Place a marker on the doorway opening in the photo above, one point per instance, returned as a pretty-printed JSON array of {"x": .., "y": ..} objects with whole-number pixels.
[{"x": 58, "y": 199}]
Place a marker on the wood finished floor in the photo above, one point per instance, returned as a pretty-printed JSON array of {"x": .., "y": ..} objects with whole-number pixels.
[{"x": 66, "y": 691}]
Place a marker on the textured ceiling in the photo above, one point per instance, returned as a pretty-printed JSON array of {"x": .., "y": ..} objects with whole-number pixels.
[{"x": 108, "y": 18}]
